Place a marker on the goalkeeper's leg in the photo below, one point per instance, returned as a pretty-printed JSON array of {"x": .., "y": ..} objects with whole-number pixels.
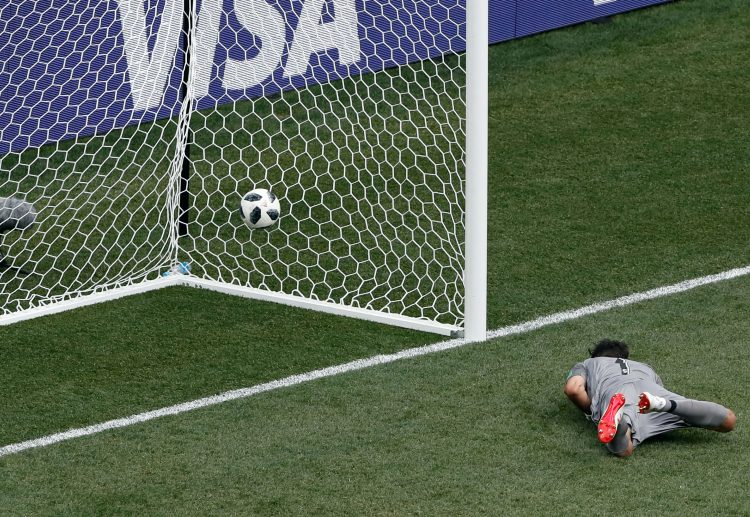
[
  {"x": 622, "y": 444},
  {"x": 698, "y": 413}
]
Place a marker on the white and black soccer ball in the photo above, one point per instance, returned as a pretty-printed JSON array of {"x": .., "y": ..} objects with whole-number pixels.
[{"x": 260, "y": 208}]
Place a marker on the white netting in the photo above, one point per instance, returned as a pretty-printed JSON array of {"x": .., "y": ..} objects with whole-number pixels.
[
  {"x": 102, "y": 194},
  {"x": 369, "y": 168}
]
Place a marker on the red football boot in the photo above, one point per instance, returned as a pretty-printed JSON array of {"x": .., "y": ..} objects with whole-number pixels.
[{"x": 611, "y": 419}]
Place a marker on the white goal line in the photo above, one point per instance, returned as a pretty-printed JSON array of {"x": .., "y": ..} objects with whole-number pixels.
[{"x": 360, "y": 364}]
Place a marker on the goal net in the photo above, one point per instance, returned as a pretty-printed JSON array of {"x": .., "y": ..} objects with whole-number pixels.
[{"x": 134, "y": 127}]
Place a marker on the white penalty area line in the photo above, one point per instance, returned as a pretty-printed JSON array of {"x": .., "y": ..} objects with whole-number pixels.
[{"x": 361, "y": 364}]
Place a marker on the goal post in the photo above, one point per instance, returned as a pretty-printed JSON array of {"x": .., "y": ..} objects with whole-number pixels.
[
  {"x": 367, "y": 119},
  {"x": 477, "y": 141}
]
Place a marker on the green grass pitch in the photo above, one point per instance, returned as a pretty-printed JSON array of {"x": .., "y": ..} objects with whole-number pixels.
[{"x": 618, "y": 163}]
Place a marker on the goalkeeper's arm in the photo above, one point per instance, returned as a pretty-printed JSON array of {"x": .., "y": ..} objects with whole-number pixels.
[{"x": 575, "y": 388}]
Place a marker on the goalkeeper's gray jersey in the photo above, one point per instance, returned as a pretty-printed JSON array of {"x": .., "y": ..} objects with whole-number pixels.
[{"x": 605, "y": 376}]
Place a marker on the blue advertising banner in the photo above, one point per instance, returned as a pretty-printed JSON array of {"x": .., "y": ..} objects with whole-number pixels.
[
  {"x": 535, "y": 16},
  {"x": 249, "y": 48},
  {"x": 71, "y": 68},
  {"x": 502, "y": 22},
  {"x": 76, "y": 68},
  {"x": 64, "y": 72}
]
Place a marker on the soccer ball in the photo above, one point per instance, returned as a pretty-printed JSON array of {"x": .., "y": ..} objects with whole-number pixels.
[{"x": 260, "y": 208}]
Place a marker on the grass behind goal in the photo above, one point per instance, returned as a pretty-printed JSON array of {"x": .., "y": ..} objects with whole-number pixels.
[
  {"x": 618, "y": 164},
  {"x": 369, "y": 171},
  {"x": 103, "y": 205}
]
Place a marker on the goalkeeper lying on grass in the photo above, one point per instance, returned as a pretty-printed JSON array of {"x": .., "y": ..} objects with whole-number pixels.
[{"x": 610, "y": 387}]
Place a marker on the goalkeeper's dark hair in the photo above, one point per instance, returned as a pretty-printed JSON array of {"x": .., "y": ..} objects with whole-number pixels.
[{"x": 610, "y": 348}]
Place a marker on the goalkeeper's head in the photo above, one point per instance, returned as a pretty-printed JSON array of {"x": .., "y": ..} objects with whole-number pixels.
[
  {"x": 610, "y": 348},
  {"x": 15, "y": 213}
]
